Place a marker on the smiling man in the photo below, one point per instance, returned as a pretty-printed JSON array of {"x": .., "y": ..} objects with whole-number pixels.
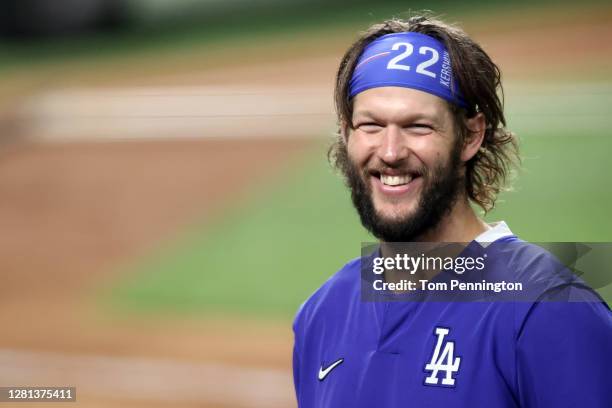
[
  {"x": 422, "y": 137},
  {"x": 405, "y": 166}
]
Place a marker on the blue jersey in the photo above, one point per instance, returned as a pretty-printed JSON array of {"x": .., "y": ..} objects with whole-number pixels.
[{"x": 351, "y": 353}]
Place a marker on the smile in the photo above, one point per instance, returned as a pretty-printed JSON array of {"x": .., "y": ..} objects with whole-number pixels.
[
  {"x": 395, "y": 180},
  {"x": 395, "y": 184}
]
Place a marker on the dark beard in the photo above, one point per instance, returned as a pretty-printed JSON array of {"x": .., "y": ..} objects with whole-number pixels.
[{"x": 440, "y": 190}]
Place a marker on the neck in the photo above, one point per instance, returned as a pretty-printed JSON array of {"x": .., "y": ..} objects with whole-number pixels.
[{"x": 461, "y": 224}]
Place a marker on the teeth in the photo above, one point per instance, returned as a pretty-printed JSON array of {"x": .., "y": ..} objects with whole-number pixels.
[{"x": 395, "y": 180}]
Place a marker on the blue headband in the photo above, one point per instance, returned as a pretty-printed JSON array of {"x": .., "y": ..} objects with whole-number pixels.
[{"x": 409, "y": 60}]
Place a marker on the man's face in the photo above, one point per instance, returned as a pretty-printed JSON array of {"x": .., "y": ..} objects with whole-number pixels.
[{"x": 404, "y": 162}]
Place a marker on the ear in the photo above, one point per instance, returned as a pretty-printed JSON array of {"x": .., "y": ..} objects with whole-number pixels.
[{"x": 477, "y": 126}]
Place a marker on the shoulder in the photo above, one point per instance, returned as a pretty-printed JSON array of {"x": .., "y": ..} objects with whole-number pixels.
[
  {"x": 550, "y": 288},
  {"x": 559, "y": 336},
  {"x": 572, "y": 310},
  {"x": 334, "y": 294},
  {"x": 533, "y": 265},
  {"x": 554, "y": 298}
]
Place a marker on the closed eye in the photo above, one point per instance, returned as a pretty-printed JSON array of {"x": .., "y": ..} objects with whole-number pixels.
[
  {"x": 369, "y": 127},
  {"x": 420, "y": 128}
]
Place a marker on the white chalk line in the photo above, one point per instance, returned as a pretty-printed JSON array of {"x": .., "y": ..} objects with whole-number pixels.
[
  {"x": 178, "y": 113},
  {"x": 227, "y": 112},
  {"x": 149, "y": 379}
]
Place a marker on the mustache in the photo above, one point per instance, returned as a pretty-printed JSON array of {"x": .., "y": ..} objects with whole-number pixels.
[{"x": 379, "y": 169}]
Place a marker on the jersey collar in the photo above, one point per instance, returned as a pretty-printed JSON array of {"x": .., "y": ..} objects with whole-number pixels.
[{"x": 497, "y": 231}]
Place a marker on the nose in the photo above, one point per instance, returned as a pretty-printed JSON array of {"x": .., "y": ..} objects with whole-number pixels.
[{"x": 393, "y": 147}]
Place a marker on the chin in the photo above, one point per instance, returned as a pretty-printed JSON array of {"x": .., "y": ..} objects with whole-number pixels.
[
  {"x": 394, "y": 213},
  {"x": 398, "y": 219}
]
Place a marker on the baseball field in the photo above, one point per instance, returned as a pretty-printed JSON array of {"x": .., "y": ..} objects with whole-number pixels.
[{"x": 165, "y": 211}]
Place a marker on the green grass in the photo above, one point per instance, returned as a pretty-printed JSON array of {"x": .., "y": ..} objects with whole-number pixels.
[
  {"x": 269, "y": 254},
  {"x": 562, "y": 192},
  {"x": 266, "y": 256}
]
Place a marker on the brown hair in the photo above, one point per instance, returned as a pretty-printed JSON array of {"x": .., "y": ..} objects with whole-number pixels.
[{"x": 479, "y": 80}]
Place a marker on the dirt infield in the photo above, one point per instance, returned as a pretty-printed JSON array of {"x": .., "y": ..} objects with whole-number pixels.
[{"x": 72, "y": 212}]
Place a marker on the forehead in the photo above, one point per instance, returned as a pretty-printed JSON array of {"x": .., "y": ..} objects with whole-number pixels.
[{"x": 399, "y": 103}]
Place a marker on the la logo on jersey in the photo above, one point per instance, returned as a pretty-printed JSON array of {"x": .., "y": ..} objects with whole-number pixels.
[{"x": 443, "y": 360}]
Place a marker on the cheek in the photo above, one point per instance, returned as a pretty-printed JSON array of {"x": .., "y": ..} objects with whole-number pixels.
[
  {"x": 358, "y": 149},
  {"x": 435, "y": 154}
]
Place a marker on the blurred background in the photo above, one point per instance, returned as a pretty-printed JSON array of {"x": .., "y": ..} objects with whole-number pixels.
[{"x": 165, "y": 201}]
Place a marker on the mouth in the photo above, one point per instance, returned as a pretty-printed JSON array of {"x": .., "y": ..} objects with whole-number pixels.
[{"x": 395, "y": 182}]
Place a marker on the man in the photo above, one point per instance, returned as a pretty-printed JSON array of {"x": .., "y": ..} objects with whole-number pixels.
[{"x": 421, "y": 138}]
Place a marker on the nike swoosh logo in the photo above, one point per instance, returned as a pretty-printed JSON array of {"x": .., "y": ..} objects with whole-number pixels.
[{"x": 323, "y": 372}]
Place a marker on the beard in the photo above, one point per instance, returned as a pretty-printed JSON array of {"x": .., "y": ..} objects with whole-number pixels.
[{"x": 440, "y": 189}]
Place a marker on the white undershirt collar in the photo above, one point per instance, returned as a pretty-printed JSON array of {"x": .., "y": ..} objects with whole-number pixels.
[{"x": 497, "y": 231}]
